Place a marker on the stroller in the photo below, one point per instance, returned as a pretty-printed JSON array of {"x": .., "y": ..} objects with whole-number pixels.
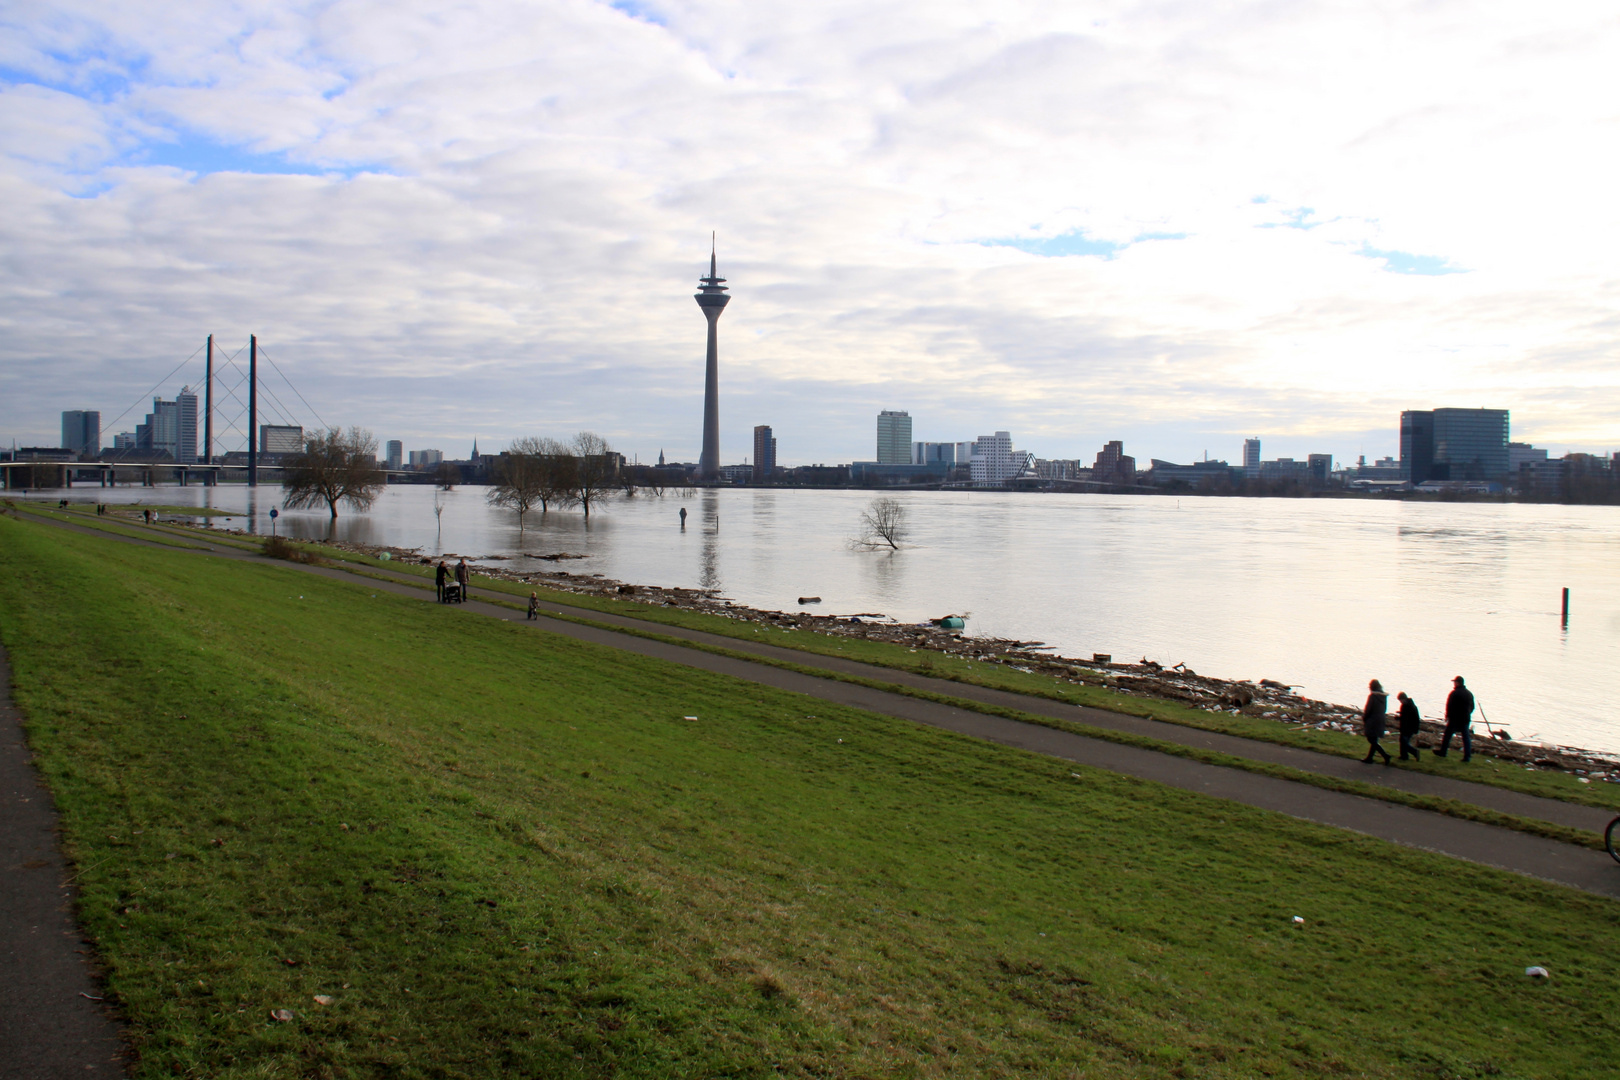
[{"x": 452, "y": 593}]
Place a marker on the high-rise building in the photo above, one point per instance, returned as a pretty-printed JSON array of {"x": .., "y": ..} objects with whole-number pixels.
[
  {"x": 1251, "y": 456},
  {"x": 1454, "y": 444},
  {"x": 171, "y": 428},
  {"x": 711, "y": 297},
  {"x": 1321, "y": 468},
  {"x": 124, "y": 440},
  {"x": 421, "y": 459},
  {"x": 893, "y": 438},
  {"x": 281, "y": 439},
  {"x": 81, "y": 431},
  {"x": 396, "y": 453},
  {"x": 764, "y": 453},
  {"x": 933, "y": 453}
]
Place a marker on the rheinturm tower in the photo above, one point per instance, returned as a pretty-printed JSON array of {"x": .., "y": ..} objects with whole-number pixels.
[{"x": 712, "y": 298}]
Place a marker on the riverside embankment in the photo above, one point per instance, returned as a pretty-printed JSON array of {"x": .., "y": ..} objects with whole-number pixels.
[{"x": 488, "y": 847}]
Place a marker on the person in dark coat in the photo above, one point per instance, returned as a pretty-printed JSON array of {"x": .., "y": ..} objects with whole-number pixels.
[
  {"x": 439, "y": 578},
  {"x": 1411, "y": 723},
  {"x": 534, "y": 605},
  {"x": 1459, "y": 717},
  {"x": 464, "y": 579},
  {"x": 1373, "y": 718}
]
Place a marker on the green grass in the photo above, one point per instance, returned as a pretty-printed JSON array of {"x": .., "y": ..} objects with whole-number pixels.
[
  {"x": 277, "y": 786},
  {"x": 1547, "y": 784}
]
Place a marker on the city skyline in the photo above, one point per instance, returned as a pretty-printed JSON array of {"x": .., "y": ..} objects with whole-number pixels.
[{"x": 1132, "y": 238}]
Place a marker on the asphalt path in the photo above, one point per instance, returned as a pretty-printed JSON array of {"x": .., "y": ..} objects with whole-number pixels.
[{"x": 51, "y": 1025}]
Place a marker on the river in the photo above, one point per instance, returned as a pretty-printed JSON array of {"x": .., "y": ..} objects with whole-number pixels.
[{"x": 1323, "y": 594}]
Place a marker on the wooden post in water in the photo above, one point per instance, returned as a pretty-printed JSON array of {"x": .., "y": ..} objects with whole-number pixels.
[{"x": 1566, "y": 607}]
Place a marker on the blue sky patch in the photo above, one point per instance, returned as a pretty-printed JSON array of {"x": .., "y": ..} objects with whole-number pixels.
[
  {"x": 1075, "y": 242},
  {"x": 195, "y": 153},
  {"x": 637, "y": 10},
  {"x": 1403, "y": 262}
]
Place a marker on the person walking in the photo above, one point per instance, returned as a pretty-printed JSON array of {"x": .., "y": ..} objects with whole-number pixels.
[
  {"x": 464, "y": 579},
  {"x": 1411, "y": 723},
  {"x": 1459, "y": 717},
  {"x": 534, "y": 605},
  {"x": 440, "y": 577},
  {"x": 1373, "y": 718},
  {"x": 683, "y": 519}
]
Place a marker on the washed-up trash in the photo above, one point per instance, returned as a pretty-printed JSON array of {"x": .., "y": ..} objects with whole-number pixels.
[
  {"x": 692, "y": 718},
  {"x": 1299, "y": 921},
  {"x": 385, "y": 557},
  {"x": 1538, "y": 972},
  {"x": 840, "y": 740},
  {"x": 281, "y": 1014},
  {"x": 323, "y": 999},
  {"x": 809, "y": 599},
  {"x": 950, "y": 622}
]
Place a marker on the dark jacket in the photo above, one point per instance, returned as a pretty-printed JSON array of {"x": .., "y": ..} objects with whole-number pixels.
[
  {"x": 462, "y": 573},
  {"x": 1459, "y": 707},
  {"x": 1411, "y": 722},
  {"x": 442, "y": 576},
  {"x": 1373, "y": 716}
]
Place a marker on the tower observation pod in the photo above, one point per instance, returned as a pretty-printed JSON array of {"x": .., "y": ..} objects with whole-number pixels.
[{"x": 712, "y": 298}]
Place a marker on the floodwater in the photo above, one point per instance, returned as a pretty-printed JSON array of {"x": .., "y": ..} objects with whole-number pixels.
[{"x": 1323, "y": 594}]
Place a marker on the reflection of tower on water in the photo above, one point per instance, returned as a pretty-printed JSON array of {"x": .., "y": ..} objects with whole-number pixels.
[{"x": 709, "y": 567}]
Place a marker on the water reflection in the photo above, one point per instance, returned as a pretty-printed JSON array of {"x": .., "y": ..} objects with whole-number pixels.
[{"x": 709, "y": 565}]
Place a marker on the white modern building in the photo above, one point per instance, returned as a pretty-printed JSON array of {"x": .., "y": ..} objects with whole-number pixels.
[{"x": 994, "y": 462}]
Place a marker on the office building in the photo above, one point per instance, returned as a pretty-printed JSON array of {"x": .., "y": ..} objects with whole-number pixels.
[
  {"x": 893, "y": 438},
  {"x": 1251, "y": 457},
  {"x": 934, "y": 453},
  {"x": 171, "y": 428},
  {"x": 1113, "y": 465},
  {"x": 422, "y": 459},
  {"x": 994, "y": 462},
  {"x": 280, "y": 439},
  {"x": 764, "y": 454},
  {"x": 1522, "y": 454},
  {"x": 1454, "y": 444},
  {"x": 396, "y": 454},
  {"x": 1321, "y": 468},
  {"x": 81, "y": 431},
  {"x": 124, "y": 440}
]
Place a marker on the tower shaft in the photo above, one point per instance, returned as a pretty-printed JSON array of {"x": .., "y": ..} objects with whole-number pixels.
[{"x": 712, "y": 298}]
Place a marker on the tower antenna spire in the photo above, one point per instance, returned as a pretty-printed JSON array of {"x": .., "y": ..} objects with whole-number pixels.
[{"x": 712, "y": 273}]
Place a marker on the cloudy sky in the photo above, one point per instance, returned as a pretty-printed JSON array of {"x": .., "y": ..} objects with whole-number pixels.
[{"x": 1175, "y": 223}]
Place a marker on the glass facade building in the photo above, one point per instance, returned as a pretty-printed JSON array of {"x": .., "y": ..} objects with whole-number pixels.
[
  {"x": 894, "y": 438},
  {"x": 1454, "y": 444}
]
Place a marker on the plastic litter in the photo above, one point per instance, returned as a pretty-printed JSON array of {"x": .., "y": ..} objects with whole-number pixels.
[
  {"x": 1538, "y": 972},
  {"x": 693, "y": 718},
  {"x": 1298, "y": 921},
  {"x": 323, "y": 999},
  {"x": 281, "y": 1014}
]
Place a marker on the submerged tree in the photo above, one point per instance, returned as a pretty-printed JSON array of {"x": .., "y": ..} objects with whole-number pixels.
[
  {"x": 883, "y": 522},
  {"x": 596, "y": 468},
  {"x": 335, "y": 466},
  {"x": 556, "y": 475},
  {"x": 519, "y": 477},
  {"x": 446, "y": 476}
]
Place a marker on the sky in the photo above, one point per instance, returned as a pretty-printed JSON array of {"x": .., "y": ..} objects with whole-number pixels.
[{"x": 1178, "y": 224}]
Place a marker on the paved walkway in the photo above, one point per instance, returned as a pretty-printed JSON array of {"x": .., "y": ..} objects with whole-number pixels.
[
  {"x": 50, "y": 1027},
  {"x": 1567, "y": 864}
]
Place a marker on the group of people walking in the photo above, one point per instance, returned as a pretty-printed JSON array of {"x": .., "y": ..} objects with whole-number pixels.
[
  {"x": 1459, "y": 717},
  {"x": 463, "y": 578}
]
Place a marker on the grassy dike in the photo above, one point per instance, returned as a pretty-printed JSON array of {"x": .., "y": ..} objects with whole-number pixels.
[{"x": 501, "y": 852}]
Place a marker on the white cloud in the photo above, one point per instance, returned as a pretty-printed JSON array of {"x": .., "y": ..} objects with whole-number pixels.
[{"x": 519, "y": 196}]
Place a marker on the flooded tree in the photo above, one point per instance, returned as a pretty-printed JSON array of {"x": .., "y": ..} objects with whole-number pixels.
[
  {"x": 335, "y": 466},
  {"x": 519, "y": 477},
  {"x": 883, "y": 522},
  {"x": 596, "y": 468}
]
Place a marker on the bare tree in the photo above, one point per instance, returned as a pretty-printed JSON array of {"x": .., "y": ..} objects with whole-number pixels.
[
  {"x": 336, "y": 466},
  {"x": 596, "y": 468},
  {"x": 557, "y": 470},
  {"x": 883, "y": 522},
  {"x": 519, "y": 480},
  {"x": 446, "y": 476}
]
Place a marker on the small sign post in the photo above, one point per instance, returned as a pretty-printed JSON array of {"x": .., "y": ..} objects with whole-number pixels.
[{"x": 274, "y": 513}]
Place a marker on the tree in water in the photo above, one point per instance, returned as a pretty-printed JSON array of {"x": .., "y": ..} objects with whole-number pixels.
[
  {"x": 520, "y": 480},
  {"x": 883, "y": 522},
  {"x": 335, "y": 466}
]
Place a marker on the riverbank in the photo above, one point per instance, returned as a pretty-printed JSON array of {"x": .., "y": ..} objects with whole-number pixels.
[{"x": 491, "y": 850}]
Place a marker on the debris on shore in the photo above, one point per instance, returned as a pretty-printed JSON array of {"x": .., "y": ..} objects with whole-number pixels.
[{"x": 1264, "y": 699}]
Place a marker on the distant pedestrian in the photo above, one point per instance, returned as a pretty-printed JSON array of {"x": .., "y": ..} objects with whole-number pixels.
[
  {"x": 1373, "y": 718},
  {"x": 148, "y": 514},
  {"x": 534, "y": 605},
  {"x": 683, "y": 517},
  {"x": 1459, "y": 717},
  {"x": 1411, "y": 723},
  {"x": 464, "y": 579},
  {"x": 439, "y": 578}
]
